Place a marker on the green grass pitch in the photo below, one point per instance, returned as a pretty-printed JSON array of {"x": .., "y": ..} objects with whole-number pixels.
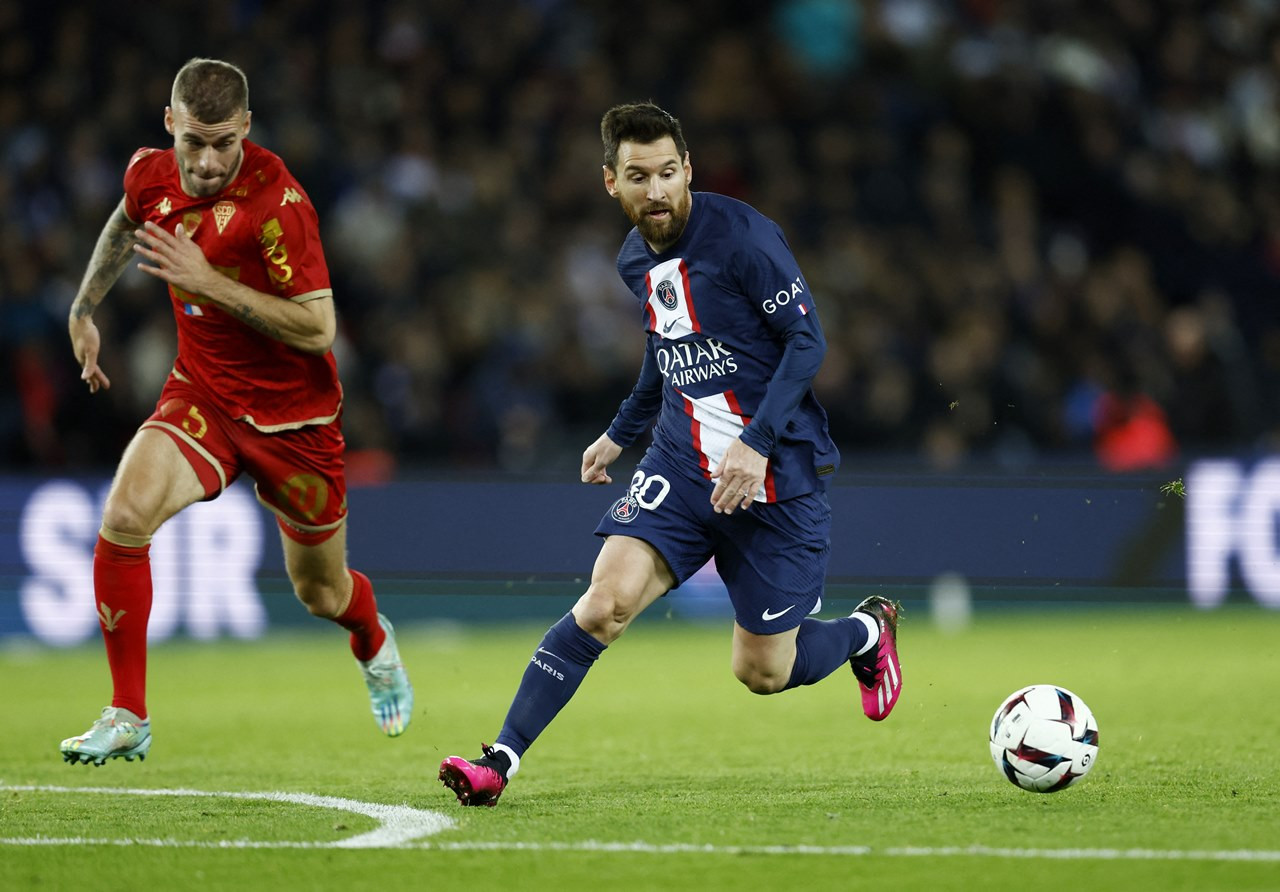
[{"x": 664, "y": 772}]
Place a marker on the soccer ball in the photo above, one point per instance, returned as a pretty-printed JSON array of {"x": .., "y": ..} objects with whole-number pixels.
[{"x": 1044, "y": 738}]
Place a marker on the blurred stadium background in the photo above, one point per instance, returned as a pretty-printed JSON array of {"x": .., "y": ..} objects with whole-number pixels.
[{"x": 1044, "y": 238}]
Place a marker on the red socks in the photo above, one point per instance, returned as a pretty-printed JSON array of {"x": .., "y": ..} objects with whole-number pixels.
[
  {"x": 361, "y": 619},
  {"x": 122, "y": 590}
]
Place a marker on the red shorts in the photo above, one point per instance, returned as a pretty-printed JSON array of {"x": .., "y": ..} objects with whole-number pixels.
[{"x": 299, "y": 473}]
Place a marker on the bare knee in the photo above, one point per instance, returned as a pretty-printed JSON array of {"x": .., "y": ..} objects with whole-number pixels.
[
  {"x": 760, "y": 680},
  {"x": 323, "y": 597},
  {"x": 762, "y": 670},
  {"x": 603, "y": 612},
  {"x": 123, "y": 515}
]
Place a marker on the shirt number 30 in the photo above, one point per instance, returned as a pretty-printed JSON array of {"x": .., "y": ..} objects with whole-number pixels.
[{"x": 643, "y": 489}]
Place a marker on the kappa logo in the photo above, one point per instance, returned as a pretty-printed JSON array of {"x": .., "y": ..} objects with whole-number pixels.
[
  {"x": 165, "y": 206},
  {"x": 666, "y": 292},
  {"x": 290, "y": 194},
  {"x": 108, "y": 619},
  {"x": 625, "y": 509}
]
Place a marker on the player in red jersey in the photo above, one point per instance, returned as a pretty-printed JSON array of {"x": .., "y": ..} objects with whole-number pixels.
[{"x": 254, "y": 390}]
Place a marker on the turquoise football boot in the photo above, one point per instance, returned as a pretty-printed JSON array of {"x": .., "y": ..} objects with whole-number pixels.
[
  {"x": 118, "y": 734},
  {"x": 390, "y": 693}
]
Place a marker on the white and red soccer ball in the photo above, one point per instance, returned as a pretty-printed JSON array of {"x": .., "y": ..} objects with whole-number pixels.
[{"x": 1044, "y": 738}]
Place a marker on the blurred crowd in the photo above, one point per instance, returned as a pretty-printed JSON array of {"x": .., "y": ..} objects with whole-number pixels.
[{"x": 1034, "y": 230}]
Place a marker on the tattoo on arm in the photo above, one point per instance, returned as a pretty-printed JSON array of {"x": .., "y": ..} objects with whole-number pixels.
[
  {"x": 110, "y": 256},
  {"x": 246, "y": 315}
]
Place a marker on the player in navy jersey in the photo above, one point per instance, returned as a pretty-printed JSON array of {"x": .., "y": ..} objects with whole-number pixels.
[{"x": 738, "y": 463}]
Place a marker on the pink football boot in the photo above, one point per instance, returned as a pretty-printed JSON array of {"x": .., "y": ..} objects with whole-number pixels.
[
  {"x": 878, "y": 671},
  {"x": 478, "y": 782}
]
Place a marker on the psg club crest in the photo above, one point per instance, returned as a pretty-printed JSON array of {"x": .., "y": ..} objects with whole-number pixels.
[
  {"x": 625, "y": 509},
  {"x": 667, "y": 294}
]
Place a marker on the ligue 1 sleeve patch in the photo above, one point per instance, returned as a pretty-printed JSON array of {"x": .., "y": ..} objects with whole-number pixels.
[{"x": 625, "y": 509}]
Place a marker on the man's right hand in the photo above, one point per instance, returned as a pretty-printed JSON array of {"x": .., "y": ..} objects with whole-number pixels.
[
  {"x": 85, "y": 341},
  {"x": 597, "y": 458}
]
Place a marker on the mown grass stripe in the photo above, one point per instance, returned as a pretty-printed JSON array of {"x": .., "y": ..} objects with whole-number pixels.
[
  {"x": 862, "y": 851},
  {"x": 645, "y": 848}
]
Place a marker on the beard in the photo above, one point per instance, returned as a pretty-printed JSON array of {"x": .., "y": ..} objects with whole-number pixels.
[
  {"x": 199, "y": 187},
  {"x": 662, "y": 234}
]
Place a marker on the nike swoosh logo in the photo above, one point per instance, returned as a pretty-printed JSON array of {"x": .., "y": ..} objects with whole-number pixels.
[
  {"x": 543, "y": 650},
  {"x": 766, "y": 616},
  {"x": 666, "y": 329}
]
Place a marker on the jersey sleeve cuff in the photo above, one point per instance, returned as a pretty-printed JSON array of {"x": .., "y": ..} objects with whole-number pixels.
[{"x": 757, "y": 440}]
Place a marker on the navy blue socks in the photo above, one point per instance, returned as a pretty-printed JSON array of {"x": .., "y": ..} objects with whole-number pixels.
[
  {"x": 566, "y": 653},
  {"x": 823, "y": 645},
  {"x": 550, "y": 680}
]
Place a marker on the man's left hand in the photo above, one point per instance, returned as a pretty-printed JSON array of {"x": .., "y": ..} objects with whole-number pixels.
[
  {"x": 738, "y": 477},
  {"x": 175, "y": 258}
]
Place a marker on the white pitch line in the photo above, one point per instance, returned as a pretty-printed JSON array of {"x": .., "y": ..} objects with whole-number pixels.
[
  {"x": 402, "y": 827},
  {"x": 397, "y": 824}
]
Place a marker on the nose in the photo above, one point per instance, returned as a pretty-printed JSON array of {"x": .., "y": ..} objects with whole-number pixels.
[
  {"x": 206, "y": 159},
  {"x": 654, "y": 192}
]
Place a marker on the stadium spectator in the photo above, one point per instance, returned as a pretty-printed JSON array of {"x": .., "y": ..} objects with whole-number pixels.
[{"x": 942, "y": 170}]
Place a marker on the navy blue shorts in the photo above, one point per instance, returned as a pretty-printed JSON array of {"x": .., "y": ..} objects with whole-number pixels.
[{"x": 772, "y": 557}]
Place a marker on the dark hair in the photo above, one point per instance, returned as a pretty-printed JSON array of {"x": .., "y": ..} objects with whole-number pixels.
[
  {"x": 641, "y": 122},
  {"x": 212, "y": 90}
]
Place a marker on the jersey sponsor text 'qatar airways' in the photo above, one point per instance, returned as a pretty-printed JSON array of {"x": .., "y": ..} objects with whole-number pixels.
[{"x": 721, "y": 307}]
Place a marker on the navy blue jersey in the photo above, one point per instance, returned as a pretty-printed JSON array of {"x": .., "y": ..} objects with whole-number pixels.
[{"x": 733, "y": 343}]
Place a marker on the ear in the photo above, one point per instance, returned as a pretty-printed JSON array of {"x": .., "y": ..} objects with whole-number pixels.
[
  {"x": 610, "y": 181},
  {"x": 168, "y": 120},
  {"x": 688, "y": 170},
  {"x": 248, "y": 122}
]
